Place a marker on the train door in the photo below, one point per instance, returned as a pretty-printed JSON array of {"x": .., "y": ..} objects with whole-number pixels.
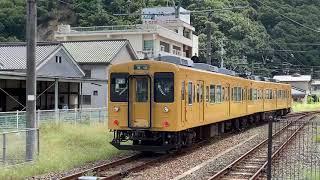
[
  {"x": 183, "y": 103},
  {"x": 200, "y": 100},
  {"x": 139, "y": 104}
]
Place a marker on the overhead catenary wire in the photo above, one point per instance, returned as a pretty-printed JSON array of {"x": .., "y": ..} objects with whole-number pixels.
[{"x": 290, "y": 19}]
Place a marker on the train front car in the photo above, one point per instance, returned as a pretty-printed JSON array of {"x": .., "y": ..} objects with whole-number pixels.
[{"x": 142, "y": 108}]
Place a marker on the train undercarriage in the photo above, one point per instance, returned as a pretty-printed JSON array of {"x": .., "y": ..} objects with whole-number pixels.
[{"x": 162, "y": 141}]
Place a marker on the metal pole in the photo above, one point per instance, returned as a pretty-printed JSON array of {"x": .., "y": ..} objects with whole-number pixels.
[
  {"x": 31, "y": 78},
  {"x": 208, "y": 55},
  {"x": 269, "y": 148},
  {"x": 17, "y": 119},
  {"x": 4, "y": 148},
  {"x": 56, "y": 99}
]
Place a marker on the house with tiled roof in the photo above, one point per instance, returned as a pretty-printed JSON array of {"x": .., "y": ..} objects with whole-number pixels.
[
  {"x": 95, "y": 58},
  {"x": 69, "y": 74},
  {"x": 301, "y": 85}
]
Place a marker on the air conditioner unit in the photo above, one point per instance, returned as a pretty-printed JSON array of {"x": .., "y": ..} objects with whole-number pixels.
[{"x": 174, "y": 51}]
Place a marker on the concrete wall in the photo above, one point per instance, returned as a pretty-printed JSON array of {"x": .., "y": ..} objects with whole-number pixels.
[{"x": 97, "y": 72}]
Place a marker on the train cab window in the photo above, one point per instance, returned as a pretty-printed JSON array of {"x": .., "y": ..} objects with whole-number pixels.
[
  {"x": 163, "y": 87},
  {"x": 119, "y": 87},
  {"x": 207, "y": 94},
  {"x": 183, "y": 89},
  {"x": 218, "y": 97},
  {"x": 212, "y": 93},
  {"x": 190, "y": 93}
]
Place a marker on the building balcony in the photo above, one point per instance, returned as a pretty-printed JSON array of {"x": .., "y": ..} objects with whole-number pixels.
[
  {"x": 67, "y": 31},
  {"x": 150, "y": 54}
]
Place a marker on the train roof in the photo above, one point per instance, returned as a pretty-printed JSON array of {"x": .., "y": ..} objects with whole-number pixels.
[
  {"x": 207, "y": 67},
  {"x": 202, "y": 67}
]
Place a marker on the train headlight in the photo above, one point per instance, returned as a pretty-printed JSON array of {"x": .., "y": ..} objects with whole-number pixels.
[
  {"x": 165, "y": 109},
  {"x": 116, "y": 109}
]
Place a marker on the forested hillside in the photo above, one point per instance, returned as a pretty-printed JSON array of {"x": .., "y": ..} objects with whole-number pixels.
[{"x": 264, "y": 36}]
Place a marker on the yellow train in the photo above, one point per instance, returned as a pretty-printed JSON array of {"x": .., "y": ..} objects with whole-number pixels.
[{"x": 159, "y": 106}]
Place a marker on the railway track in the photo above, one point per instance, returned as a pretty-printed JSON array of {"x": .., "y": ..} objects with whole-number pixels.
[
  {"x": 131, "y": 164},
  {"x": 252, "y": 164},
  {"x": 115, "y": 169}
]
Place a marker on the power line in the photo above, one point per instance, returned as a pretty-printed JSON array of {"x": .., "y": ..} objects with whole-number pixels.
[
  {"x": 183, "y": 13},
  {"x": 300, "y": 44},
  {"x": 286, "y": 17}
]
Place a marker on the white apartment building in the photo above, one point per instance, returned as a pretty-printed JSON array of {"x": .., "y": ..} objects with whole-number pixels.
[{"x": 160, "y": 34}]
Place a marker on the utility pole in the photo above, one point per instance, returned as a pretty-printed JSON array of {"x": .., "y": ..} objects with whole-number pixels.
[
  {"x": 31, "y": 79},
  {"x": 177, "y": 9},
  {"x": 209, "y": 32},
  {"x": 222, "y": 51}
]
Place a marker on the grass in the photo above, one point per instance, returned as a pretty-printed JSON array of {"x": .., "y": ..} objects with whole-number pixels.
[
  {"x": 64, "y": 146},
  {"x": 298, "y": 107}
]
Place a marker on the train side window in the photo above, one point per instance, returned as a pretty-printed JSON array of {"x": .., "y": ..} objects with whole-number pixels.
[
  {"x": 266, "y": 94},
  {"x": 255, "y": 94},
  {"x": 218, "y": 97},
  {"x": 232, "y": 97},
  {"x": 194, "y": 93},
  {"x": 228, "y": 94},
  {"x": 223, "y": 94},
  {"x": 207, "y": 94},
  {"x": 212, "y": 93},
  {"x": 201, "y": 92},
  {"x": 198, "y": 93},
  {"x": 190, "y": 93},
  {"x": 183, "y": 89},
  {"x": 239, "y": 94}
]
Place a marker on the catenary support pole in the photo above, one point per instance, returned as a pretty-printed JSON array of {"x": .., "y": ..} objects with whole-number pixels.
[
  {"x": 269, "y": 148},
  {"x": 31, "y": 79},
  {"x": 56, "y": 99},
  {"x": 209, "y": 32}
]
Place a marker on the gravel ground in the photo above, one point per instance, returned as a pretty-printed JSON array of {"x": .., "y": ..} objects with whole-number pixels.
[
  {"x": 207, "y": 160},
  {"x": 178, "y": 166},
  {"x": 301, "y": 158},
  {"x": 57, "y": 175}
]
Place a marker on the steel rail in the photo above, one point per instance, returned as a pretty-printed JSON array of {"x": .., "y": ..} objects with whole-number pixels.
[
  {"x": 259, "y": 172},
  {"x": 224, "y": 171},
  {"x": 102, "y": 167},
  {"x": 98, "y": 171}
]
